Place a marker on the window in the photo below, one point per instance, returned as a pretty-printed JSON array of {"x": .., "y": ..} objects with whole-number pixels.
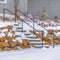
[{"x": 3, "y": 1}]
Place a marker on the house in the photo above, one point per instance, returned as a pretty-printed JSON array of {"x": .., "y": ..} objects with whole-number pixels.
[
  {"x": 34, "y": 6},
  {"x": 9, "y": 5}
]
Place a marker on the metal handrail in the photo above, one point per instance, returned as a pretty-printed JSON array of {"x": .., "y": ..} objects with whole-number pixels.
[
  {"x": 31, "y": 19},
  {"x": 5, "y": 9},
  {"x": 34, "y": 24}
]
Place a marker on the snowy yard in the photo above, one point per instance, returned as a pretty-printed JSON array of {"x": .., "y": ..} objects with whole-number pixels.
[{"x": 31, "y": 53}]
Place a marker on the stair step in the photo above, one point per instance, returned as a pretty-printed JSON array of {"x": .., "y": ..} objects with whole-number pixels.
[
  {"x": 46, "y": 46},
  {"x": 42, "y": 45},
  {"x": 34, "y": 40},
  {"x": 34, "y": 46},
  {"x": 16, "y": 24},
  {"x": 21, "y": 31},
  {"x": 32, "y": 37},
  {"x": 18, "y": 27},
  {"x": 38, "y": 47},
  {"x": 38, "y": 43},
  {"x": 27, "y": 34}
]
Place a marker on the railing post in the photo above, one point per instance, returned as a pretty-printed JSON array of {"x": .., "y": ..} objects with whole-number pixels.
[
  {"x": 15, "y": 15},
  {"x": 42, "y": 38},
  {"x": 3, "y": 14},
  {"x": 33, "y": 27},
  {"x": 22, "y": 25},
  {"x": 53, "y": 42}
]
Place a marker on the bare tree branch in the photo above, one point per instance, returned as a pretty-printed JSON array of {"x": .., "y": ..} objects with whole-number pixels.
[{"x": 16, "y": 5}]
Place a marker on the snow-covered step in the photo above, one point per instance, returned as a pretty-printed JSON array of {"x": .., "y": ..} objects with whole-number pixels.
[
  {"x": 22, "y": 35},
  {"x": 30, "y": 36},
  {"x": 27, "y": 34},
  {"x": 36, "y": 46},
  {"x": 37, "y": 43},
  {"x": 16, "y": 24},
  {"x": 21, "y": 30},
  {"x": 18, "y": 27},
  {"x": 35, "y": 39},
  {"x": 41, "y": 46},
  {"x": 47, "y": 46}
]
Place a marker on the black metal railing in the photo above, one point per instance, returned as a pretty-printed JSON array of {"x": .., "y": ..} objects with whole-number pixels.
[
  {"x": 31, "y": 20},
  {"x": 4, "y": 12},
  {"x": 37, "y": 24}
]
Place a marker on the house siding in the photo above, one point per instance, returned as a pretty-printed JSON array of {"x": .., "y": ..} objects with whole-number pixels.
[
  {"x": 53, "y": 7},
  {"x": 9, "y": 5}
]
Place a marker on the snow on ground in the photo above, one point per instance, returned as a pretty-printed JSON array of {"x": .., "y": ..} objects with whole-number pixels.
[
  {"x": 4, "y": 24},
  {"x": 32, "y": 54}
]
